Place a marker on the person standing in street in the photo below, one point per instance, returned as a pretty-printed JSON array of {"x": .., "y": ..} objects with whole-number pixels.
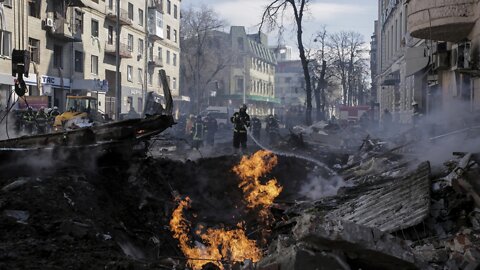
[
  {"x": 198, "y": 132},
  {"x": 272, "y": 129},
  {"x": 256, "y": 127},
  {"x": 211, "y": 128},
  {"x": 240, "y": 121},
  {"x": 41, "y": 120}
]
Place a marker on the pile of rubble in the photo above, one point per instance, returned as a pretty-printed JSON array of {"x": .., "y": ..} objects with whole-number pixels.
[
  {"x": 394, "y": 213},
  {"x": 389, "y": 208},
  {"x": 115, "y": 214}
]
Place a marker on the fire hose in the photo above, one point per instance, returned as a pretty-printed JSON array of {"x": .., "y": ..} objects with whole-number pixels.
[{"x": 289, "y": 154}]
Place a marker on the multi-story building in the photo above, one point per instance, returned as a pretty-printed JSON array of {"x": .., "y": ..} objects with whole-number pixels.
[
  {"x": 401, "y": 62},
  {"x": 453, "y": 31},
  {"x": 73, "y": 48},
  {"x": 289, "y": 78},
  {"x": 250, "y": 79},
  {"x": 427, "y": 55}
]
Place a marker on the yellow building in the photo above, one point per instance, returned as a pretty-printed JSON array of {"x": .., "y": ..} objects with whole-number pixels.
[{"x": 73, "y": 50}]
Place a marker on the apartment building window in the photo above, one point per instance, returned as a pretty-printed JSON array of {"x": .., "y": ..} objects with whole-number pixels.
[
  {"x": 130, "y": 43},
  {"x": 34, "y": 46},
  {"x": 140, "y": 46},
  {"x": 110, "y": 35},
  {"x": 239, "y": 85},
  {"x": 160, "y": 52},
  {"x": 175, "y": 35},
  {"x": 169, "y": 7},
  {"x": 139, "y": 104},
  {"x": 94, "y": 28},
  {"x": 168, "y": 31},
  {"x": 174, "y": 83},
  {"x": 140, "y": 16},
  {"x": 7, "y": 3},
  {"x": 57, "y": 56},
  {"x": 129, "y": 73},
  {"x": 150, "y": 78},
  {"x": 78, "y": 21},
  {"x": 175, "y": 11},
  {"x": 130, "y": 11},
  {"x": 174, "y": 59},
  {"x": 168, "y": 57},
  {"x": 140, "y": 75},
  {"x": 34, "y": 8},
  {"x": 94, "y": 65},
  {"x": 6, "y": 43},
  {"x": 78, "y": 61}
]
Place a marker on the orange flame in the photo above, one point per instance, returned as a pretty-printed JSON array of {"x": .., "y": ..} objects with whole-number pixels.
[
  {"x": 255, "y": 193},
  {"x": 218, "y": 244}
]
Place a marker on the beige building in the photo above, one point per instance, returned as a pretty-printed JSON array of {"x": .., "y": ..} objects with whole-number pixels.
[
  {"x": 251, "y": 77},
  {"x": 394, "y": 47},
  {"x": 73, "y": 50}
]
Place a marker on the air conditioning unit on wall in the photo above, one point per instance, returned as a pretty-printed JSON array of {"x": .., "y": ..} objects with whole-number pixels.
[
  {"x": 460, "y": 56},
  {"x": 49, "y": 22}
]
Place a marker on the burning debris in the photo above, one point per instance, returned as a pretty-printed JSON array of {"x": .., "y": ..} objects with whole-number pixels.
[
  {"x": 256, "y": 194},
  {"x": 217, "y": 246},
  {"x": 376, "y": 205}
]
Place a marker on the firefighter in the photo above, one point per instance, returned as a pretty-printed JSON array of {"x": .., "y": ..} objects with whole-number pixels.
[
  {"x": 51, "y": 116},
  {"x": 272, "y": 129},
  {"x": 28, "y": 120},
  {"x": 211, "y": 128},
  {"x": 416, "y": 114},
  {"x": 41, "y": 120},
  {"x": 198, "y": 131},
  {"x": 256, "y": 127},
  {"x": 240, "y": 121}
]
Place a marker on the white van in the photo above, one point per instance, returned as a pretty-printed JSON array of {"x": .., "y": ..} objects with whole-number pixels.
[{"x": 221, "y": 114}]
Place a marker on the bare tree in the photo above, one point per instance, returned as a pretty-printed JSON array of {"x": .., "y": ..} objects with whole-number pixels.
[
  {"x": 273, "y": 13},
  {"x": 346, "y": 49},
  {"x": 200, "y": 60}
]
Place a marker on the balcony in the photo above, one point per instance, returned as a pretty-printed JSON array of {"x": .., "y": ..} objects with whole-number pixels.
[
  {"x": 156, "y": 61},
  {"x": 112, "y": 50},
  {"x": 155, "y": 24},
  {"x": 156, "y": 4},
  {"x": 111, "y": 13},
  {"x": 61, "y": 30},
  {"x": 441, "y": 20}
]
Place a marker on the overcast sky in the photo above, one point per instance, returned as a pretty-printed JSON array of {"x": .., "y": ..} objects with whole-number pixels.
[{"x": 337, "y": 15}]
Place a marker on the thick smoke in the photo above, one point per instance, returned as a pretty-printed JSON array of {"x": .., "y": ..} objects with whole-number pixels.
[{"x": 318, "y": 187}]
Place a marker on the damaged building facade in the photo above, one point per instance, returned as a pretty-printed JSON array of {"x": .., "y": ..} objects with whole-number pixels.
[
  {"x": 427, "y": 53},
  {"x": 72, "y": 46}
]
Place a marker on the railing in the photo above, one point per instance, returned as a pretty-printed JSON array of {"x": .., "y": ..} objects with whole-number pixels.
[
  {"x": 123, "y": 52},
  {"x": 156, "y": 61},
  {"x": 111, "y": 12}
]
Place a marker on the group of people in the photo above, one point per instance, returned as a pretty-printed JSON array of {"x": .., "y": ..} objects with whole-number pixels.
[
  {"x": 35, "y": 122},
  {"x": 201, "y": 130},
  {"x": 241, "y": 123}
]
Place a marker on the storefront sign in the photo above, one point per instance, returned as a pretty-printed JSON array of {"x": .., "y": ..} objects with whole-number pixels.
[{"x": 54, "y": 82}]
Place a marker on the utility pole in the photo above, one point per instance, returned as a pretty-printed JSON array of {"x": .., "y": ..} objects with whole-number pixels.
[
  {"x": 118, "y": 88},
  {"x": 146, "y": 55}
]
